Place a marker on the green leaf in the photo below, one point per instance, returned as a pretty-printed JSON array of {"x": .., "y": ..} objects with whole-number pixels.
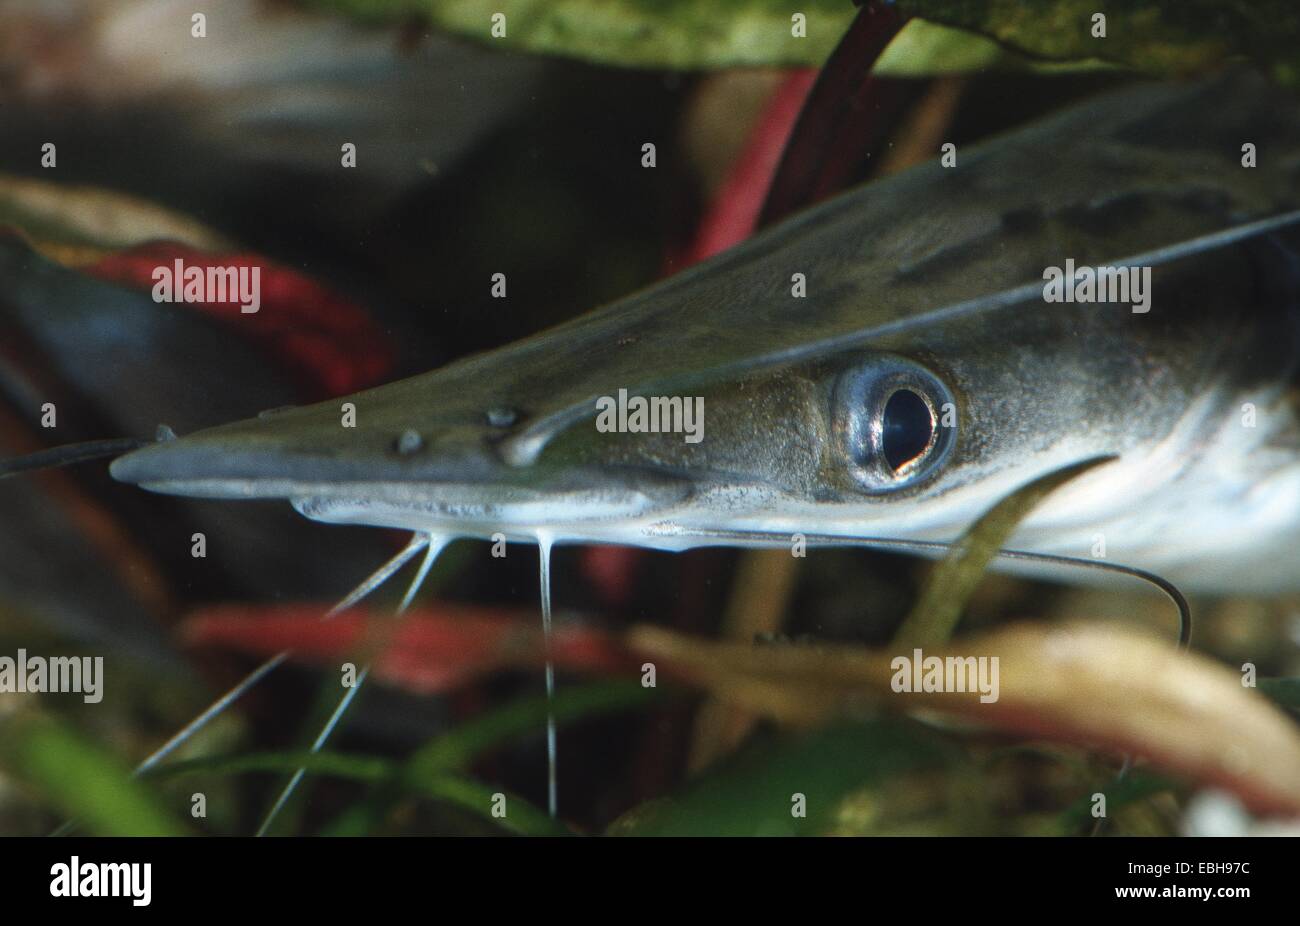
[
  {"x": 755, "y": 792},
  {"x": 946, "y": 37},
  {"x": 927, "y": 49},
  {"x": 683, "y": 34},
  {"x": 693, "y": 34},
  {"x": 954, "y": 580},
  {"x": 922, "y": 49},
  {"x": 1160, "y": 36},
  {"x": 84, "y": 782}
]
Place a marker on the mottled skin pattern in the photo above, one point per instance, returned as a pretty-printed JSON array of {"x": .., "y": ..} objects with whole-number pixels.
[{"x": 1194, "y": 494}]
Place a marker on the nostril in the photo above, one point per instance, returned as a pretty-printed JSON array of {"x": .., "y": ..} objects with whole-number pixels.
[
  {"x": 409, "y": 442},
  {"x": 500, "y": 416}
]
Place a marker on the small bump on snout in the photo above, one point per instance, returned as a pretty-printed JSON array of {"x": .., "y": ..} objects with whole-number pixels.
[
  {"x": 500, "y": 416},
  {"x": 409, "y": 442}
]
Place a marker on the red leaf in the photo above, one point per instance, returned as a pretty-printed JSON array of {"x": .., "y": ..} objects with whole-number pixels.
[
  {"x": 734, "y": 212},
  {"x": 611, "y": 571},
  {"x": 327, "y": 341},
  {"x": 430, "y": 650},
  {"x": 847, "y": 115}
]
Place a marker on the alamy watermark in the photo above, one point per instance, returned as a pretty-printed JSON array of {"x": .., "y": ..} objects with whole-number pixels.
[
  {"x": 181, "y": 283},
  {"x": 651, "y": 415},
  {"x": 948, "y": 674},
  {"x": 76, "y": 878},
  {"x": 1099, "y": 284},
  {"x": 26, "y": 674}
]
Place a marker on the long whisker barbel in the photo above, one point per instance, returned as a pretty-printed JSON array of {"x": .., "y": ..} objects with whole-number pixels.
[
  {"x": 432, "y": 549},
  {"x": 1170, "y": 590},
  {"x": 377, "y": 578},
  {"x": 68, "y": 454},
  {"x": 833, "y": 540}
]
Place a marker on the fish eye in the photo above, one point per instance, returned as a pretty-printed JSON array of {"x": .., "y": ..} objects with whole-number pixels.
[
  {"x": 907, "y": 426},
  {"x": 895, "y": 422}
]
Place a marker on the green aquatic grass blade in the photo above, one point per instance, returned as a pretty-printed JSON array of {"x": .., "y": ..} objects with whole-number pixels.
[
  {"x": 527, "y": 717},
  {"x": 428, "y": 772},
  {"x": 457, "y": 748},
  {"x": 520, "y": 817},
  {"x": 1133, "y": 787},
  {"x": 755, "y": 793},
  {"x": 934, "y": 616},
  {"x": 331, "y": 764},
  {"x": 82, "y": 781}
]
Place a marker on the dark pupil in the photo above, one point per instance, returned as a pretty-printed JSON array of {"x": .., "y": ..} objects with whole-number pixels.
[{"x": 906, "y": 427}]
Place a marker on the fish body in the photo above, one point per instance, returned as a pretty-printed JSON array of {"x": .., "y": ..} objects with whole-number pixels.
[{"x": 885, "y": 365}]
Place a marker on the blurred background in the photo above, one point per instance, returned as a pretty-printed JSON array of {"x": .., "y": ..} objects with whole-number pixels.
[{"x": 473, "y": 157}]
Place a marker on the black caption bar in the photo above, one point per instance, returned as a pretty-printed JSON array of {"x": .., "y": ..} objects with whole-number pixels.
[{"x": 233, "y": 876}]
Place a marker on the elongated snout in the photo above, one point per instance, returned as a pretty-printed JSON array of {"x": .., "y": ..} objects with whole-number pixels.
[
  {"x": 280, "y": 453},
  {"x": 373, "y": 459}
]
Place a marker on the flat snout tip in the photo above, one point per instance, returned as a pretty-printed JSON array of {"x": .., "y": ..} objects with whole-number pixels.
[{"x": 174, "y": 460}]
